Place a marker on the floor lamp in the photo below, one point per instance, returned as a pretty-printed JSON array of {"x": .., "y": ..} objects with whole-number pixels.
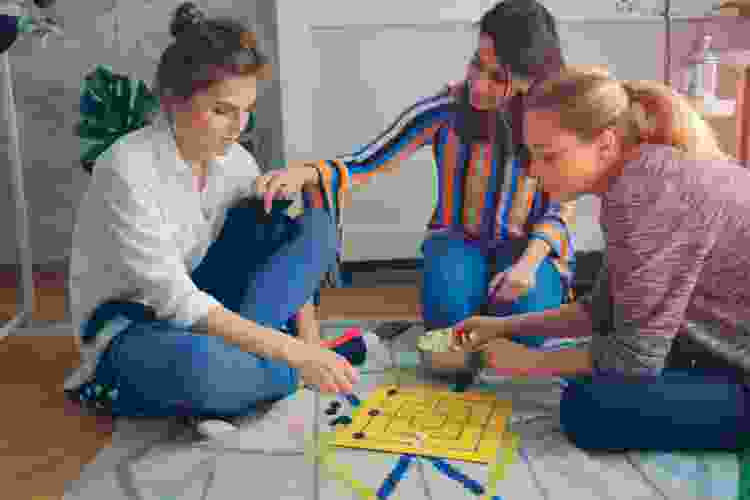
[{"x": 10, "y": 27}]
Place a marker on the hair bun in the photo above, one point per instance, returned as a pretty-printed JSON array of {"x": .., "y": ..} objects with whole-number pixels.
[{"x": 185, "y": 17}]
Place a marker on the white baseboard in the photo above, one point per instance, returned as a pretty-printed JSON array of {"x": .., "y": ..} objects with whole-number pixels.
[{"x": 43, "y": 329}]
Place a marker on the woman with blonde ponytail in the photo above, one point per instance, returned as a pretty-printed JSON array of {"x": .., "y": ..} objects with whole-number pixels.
[{"x": 676, "y": 215}]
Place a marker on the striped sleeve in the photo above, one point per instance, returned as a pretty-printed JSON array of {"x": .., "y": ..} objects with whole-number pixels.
[
  {"x": 412, "y": 130},
  {"x": 555, "y": 226}
]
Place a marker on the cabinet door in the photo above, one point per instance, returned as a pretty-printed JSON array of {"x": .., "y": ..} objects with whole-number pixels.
[{"x": 347, "y": 72}]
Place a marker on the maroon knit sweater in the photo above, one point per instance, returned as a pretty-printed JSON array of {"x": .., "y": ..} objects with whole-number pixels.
[{"x": 677, "y": 249}]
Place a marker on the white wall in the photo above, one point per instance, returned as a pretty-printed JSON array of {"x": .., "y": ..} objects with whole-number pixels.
[
  {"x": 128, "y": 35},
  {"x": 349, "y": 72},
  {"x": 375, "y": 57}
]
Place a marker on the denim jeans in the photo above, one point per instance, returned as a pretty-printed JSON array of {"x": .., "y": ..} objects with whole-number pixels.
[
  {"x": 456, "y": 281},
  {"x": 698, "y": 402},
  {"x": 265, "y": 268}
]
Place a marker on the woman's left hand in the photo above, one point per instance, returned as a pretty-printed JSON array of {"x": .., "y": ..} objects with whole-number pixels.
[{"x": 514, "y": 282}]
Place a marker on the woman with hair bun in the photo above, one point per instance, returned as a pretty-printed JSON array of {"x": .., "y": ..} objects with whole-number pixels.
[{"x": 181, "y": 283}]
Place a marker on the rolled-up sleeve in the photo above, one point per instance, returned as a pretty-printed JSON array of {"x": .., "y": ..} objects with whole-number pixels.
[
  {"x": 598, "y": 302},
  {"x": 556, "y": 228},
  {"x": 143, "y": 249},
  {"x": 657, "y": 243}
]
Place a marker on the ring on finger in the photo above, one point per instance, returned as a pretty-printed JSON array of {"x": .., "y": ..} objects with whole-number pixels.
[{"x": 270, "y": 177}]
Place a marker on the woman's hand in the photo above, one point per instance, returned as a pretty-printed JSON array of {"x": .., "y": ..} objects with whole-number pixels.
[
  {"x": 514, "y": 282},
  {"x": 474, "y": 333},
  {"x": 322, "y": 367},
  {"x": 284, "y": 183}
]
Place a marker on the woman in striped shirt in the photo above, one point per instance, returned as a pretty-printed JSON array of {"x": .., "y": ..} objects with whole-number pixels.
[
  {"x": 675, "y": 214},
  {"x": 494, "y": 233}
]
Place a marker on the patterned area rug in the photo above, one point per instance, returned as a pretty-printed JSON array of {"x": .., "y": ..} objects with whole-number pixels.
[{"x": 275, "y": 456}]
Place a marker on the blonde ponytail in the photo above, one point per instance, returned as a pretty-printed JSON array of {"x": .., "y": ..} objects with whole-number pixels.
[
  {"x": 659, "y": 115},
  {"x": 588, "y": 101}
]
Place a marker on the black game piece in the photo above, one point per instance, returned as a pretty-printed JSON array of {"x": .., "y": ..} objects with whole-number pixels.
[
  {"x": 374, "y": 412},
  {"x": 335, "y": 404},
  {"x": 343, "y": 420},
  {"x": 358, "y": 435},
  {"x": 392, "y": 329},
  {"x": 331, "y": 411},
  {"x": 463, "y": 381},
  {"x": 392, "y": 392}
]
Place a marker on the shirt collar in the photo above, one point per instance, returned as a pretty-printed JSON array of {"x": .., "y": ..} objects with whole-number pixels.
[{"x": 169, "y": 153}]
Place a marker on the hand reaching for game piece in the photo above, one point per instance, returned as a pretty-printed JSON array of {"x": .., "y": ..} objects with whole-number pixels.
[
  {"x": 475, "y": 333},
  {"x": 323, "y": 368}
]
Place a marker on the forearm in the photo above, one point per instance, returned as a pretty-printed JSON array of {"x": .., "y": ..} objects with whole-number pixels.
[
  {"x": 536, "y": 251},
  {"x": 569, "y": 320},
  {"x": 248, "y": 335},
  {"x": 312, "y": 175},
  {"x": 567, "y": 362},
  {"x": 554, "y": 228},
  {"x": 308, "y": 327}
]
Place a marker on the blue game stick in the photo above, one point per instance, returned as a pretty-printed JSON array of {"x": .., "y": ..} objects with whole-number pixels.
[
  {"x": 394, "y": 477},
  {"x": 353, "y": 400},
  {"x": 457, "y": 475}
]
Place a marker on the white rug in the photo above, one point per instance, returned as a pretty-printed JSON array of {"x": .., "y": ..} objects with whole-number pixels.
[{"x": 159, "y": 460}]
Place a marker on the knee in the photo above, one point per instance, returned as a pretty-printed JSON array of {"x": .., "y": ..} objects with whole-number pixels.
[
  {"x": 450, "y": 262},
  {"x": 445, "y": 303},
  {"x": 234, "y": 390},
  {"x": 320, "y": 226},
  {"x": 454, "y": 281},
  {"x": 577, "y": 422}
]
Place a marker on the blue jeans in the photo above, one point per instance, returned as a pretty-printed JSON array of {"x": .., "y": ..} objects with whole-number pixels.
[
  {"x": 456, "y": 279},
  {"x": 699, "y": 402},
  {"x": 264, "y": 270},
  {"x": 677, "y": 410}
]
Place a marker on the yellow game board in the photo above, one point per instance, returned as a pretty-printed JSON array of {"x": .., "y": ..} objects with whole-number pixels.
[{"x": 423, "y": 420}]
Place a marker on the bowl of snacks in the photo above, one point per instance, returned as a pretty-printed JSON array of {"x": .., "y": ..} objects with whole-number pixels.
[{"x": 437, "y": 358}]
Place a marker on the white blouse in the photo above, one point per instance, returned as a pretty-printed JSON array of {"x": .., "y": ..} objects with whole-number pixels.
[{"x": 142, "y": 228}]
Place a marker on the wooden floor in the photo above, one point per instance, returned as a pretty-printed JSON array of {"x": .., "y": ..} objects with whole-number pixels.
[{"x": 44, "y": 444}]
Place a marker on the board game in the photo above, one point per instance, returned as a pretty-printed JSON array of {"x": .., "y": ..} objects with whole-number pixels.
[{"x": 423, "y": 420}]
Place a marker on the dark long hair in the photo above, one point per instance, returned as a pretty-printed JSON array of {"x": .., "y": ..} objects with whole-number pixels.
[{"x": 527, "y": 44}]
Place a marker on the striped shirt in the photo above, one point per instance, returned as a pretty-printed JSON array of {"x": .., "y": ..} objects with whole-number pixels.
[
  {"x": 677, "y": 237},
  {"x": 479, "y": 195}
]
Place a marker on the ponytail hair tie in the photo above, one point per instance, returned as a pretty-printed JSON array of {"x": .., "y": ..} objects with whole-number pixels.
[{"x": 659, "y": 118}]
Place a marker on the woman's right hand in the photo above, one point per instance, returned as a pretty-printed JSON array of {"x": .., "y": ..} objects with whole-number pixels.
[
  {"x": 477, "y": 332},
  {"x": 285, "y": 182},
  {"x": 323, "y": 368}
]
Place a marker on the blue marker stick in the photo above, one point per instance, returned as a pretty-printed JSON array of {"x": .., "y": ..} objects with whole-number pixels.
[
  {"x": 353, "y": 400},
  {"x": 396, "y": 475},
  {"x": 457, "y": 475}
]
